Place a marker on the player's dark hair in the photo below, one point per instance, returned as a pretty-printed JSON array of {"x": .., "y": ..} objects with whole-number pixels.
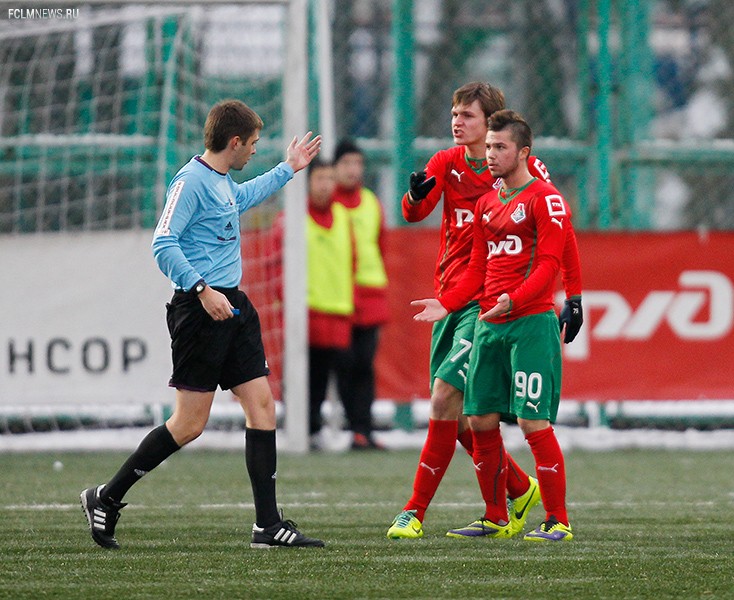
[
  {"x": 318, "y": 163},
  {"x": 519, "y": 129},
  {"x": 227, "y": 119},
  {"x": 346, "y": 147},
  {"x": 491, "y": 99}
]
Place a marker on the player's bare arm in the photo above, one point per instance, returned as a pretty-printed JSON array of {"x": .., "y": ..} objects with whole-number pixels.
[
  {"x": 299, "y": 154},
  {"x": 432, "y": 311},
  {"x": 504, "y": 304}
]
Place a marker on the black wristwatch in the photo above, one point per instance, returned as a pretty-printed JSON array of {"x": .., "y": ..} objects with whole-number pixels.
[{"x": 199, "y": 287}]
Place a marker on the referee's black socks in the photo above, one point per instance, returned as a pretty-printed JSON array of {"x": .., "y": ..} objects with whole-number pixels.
[
  {"x": 260, "y": 459},
  {"x": 156, "y": 447}
]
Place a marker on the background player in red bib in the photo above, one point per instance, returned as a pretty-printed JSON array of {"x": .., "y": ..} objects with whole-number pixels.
[
  {"x": 519, "y": 232},
  {"x": 460, "y": 175}
]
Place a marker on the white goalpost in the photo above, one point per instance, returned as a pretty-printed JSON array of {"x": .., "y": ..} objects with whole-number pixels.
[{"x": 295, "y": 359}]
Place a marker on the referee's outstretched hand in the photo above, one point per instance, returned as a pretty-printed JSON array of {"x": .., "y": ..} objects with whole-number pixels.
[{"x": 300, "y": 153}]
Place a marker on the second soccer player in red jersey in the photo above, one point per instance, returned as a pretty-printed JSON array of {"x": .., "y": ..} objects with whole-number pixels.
[
  {"x": 460, "y": 175},
  {"x": 519, "y": 235}
]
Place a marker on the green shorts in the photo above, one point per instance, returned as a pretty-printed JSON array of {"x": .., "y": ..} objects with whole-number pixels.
[
  {"x": 451, "y": 343},
  {"x": 515, "y": 368}
]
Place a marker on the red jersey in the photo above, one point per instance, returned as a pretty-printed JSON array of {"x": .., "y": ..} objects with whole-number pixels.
[
  {"x": 461, "y": 187},
  {"x": 518, "y": 246}
]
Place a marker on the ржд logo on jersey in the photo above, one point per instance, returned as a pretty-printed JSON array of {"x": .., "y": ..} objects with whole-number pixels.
[
  {"x": 512, "y": 244},
  {"x": 463, "y": 216}
]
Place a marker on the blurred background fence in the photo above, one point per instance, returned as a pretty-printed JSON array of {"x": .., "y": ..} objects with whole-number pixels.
[{"x": 632, "y": 101}]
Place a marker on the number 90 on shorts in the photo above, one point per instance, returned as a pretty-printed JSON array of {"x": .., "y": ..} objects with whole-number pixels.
[
  {"x": 515, "y": 367},
  {"x": 528, "y": 391}
]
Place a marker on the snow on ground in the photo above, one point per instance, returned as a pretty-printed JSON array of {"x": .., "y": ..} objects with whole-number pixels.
[
  {"x": 570, "y": 438},
  {"x": 334, "y": 439}
]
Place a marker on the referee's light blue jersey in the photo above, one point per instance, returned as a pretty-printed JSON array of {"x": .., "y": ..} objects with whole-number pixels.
[{"x": 198, "y": 234}]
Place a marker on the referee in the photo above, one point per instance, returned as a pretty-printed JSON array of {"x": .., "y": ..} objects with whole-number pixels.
[{"x": 215, "y": 330}]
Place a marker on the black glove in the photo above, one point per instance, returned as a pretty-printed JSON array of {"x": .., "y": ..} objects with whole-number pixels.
[
  {"x": 420, "y": 186},
  {"x": 572, "y": 316}
]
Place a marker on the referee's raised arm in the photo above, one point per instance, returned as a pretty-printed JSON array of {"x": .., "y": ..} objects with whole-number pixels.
[{"x": 299, "y": 154}]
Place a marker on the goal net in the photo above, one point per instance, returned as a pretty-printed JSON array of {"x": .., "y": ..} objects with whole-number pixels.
[{"x": 98, "y": 110}]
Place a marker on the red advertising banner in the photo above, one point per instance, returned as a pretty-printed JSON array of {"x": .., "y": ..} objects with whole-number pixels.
[{"x": 658, "y": 308}]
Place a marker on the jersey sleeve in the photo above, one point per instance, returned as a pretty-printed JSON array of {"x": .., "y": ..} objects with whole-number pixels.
[
  {"x": 538, "y": 169},
  {"x": 571, "y": 263},
  {"x": 418, "y": 212},
  {"x": 181, "y": 203},
  {"x": 472, "y": 280},
  {"x": 256, "y": 190},
  {"x": 551, "y": 219}
]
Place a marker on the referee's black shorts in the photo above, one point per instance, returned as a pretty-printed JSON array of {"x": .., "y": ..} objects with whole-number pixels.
[{"x": 208, "y": 353}]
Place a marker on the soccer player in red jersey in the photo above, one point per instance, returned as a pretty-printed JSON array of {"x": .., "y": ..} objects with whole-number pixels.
[
  {"x": 519, "y": 236},
  {"x": 461, "y": 176}
]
